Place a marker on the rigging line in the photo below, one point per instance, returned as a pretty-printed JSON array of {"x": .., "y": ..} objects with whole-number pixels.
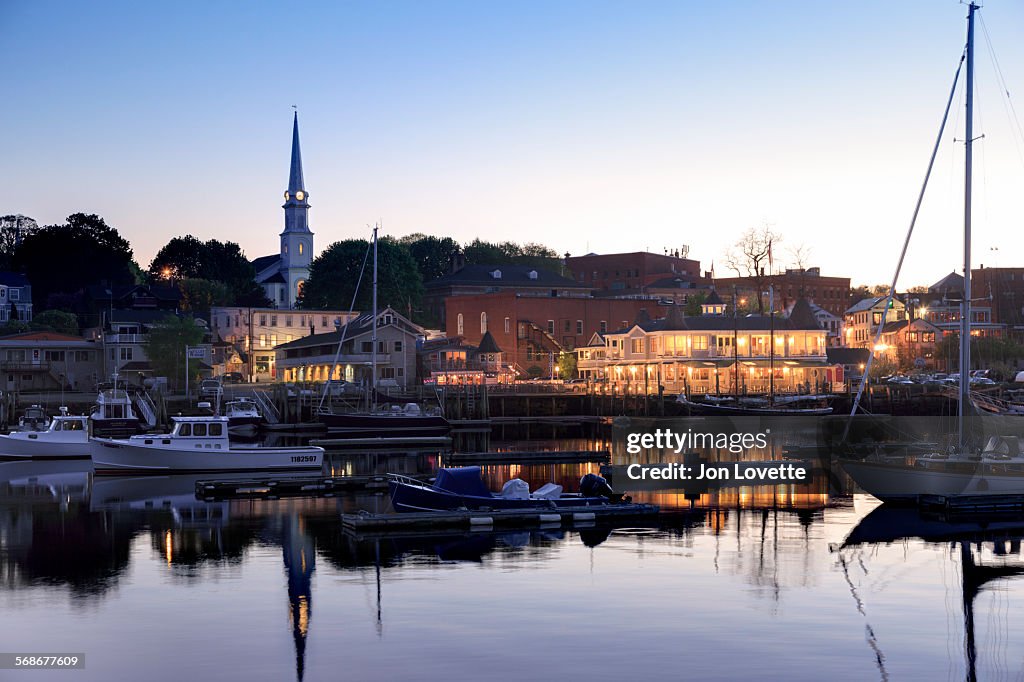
[
  {"x": 906, "y": 243},
  {"x": 1002, "y": 83},
  {"x": 344, "y": 330}
]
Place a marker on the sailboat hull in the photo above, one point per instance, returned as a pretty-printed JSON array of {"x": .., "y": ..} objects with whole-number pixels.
[{"x": 893, "y": 482}]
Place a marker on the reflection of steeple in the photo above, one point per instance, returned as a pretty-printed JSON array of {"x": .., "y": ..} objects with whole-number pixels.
[{"x": 300, "y": 561}]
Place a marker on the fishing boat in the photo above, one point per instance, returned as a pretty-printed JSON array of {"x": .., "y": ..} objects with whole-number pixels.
[
  {"x": 34, "y": 419},
  {"x": 464, "y": 488},
  {"x": 970, "y": 466},
  {"x": 387, "y": 422},
  {"x": 244, "y": 417},
  {"x": 196, "y": 445},
  {"x": 67, "y": 437},
  {"x": 114, "y": 416}
]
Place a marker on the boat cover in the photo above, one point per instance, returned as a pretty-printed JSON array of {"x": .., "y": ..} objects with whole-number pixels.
[
  {"x": 548, "y": 491},
  {"x": 462, "y": 481},
  {"x": 516, "y": 489}
]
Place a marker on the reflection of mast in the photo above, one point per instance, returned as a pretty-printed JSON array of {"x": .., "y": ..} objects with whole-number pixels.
[
  {"x": 376, "y": 562},
  {"x": 974, "y": 578},
  {"x": 300, "y": 562}
]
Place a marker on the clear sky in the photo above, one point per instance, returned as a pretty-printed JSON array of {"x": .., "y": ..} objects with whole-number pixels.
[{"x": 586, "y": 126}]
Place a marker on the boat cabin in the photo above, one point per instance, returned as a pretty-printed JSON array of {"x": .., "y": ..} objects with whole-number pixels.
[
  {"x": 70, "y": 423},
  {"x": 200, "y": 427}
]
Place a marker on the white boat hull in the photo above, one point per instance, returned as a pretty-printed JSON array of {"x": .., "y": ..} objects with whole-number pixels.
[
  {"x": 136, "y": 456},
  {"x": 45, "y": 445},
  {"x": 904, "y": 483}
]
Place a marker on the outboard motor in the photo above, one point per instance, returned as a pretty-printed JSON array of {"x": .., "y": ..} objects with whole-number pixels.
[{"x": 593, "y": 485}]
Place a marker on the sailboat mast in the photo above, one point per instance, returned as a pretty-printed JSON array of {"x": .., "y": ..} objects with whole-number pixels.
[
  {"x": 373, "y": 333},
  {"x": 965, "y": 308}
]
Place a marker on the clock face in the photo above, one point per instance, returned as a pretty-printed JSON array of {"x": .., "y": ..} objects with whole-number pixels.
[
  {"x": 300, "y": 195},
  {"x": 287, "y": 196}
]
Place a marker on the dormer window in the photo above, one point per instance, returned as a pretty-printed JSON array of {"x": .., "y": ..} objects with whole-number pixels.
[
  {"x": 496, "y": 274},
  {"x": 532, "y": 274}
]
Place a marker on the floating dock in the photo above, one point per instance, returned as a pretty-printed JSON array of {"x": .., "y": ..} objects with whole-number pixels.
[
  {"x": 381, "y": 442},
  {"x": 519, "y": 518},
  {"x": 973, "y": 504},
  {"x": 529, "y": 457},
  {"x": 275, "y": 488}
]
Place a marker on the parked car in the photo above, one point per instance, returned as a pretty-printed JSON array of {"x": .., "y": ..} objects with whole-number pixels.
[
  {"x": 232, "y": 378},
  {"x": 209, "y": 389}
]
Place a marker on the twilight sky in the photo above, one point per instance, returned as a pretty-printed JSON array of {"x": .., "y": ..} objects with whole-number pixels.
[{"x": 586, "y": 126}]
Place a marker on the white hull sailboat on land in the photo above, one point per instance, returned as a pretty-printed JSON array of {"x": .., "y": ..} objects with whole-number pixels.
[
  {"x": 197, "y": 445},
  {"x": 966, "y": 470}
]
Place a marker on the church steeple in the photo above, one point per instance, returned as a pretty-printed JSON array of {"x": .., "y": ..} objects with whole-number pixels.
[{"x": 295, "y": 183}]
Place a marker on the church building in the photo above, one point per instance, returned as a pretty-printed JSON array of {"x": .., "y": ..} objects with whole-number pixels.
[{"x": 282, "y": 275}]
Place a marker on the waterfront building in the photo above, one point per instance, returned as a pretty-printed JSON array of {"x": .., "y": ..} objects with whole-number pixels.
[
  {"x": 1004, "y": 288},
  {"x": 254, "y": 332},
  {"x": 830, "y": 293},
  {"x": 471, "y": 280},
  {"x": 317, "y": 357},
  {"x": 861, "y": 320},
  {"x": 15, "y": 297},
  {"x": 451, "y": 361},
  {"x": 534, "y": 329},
  {"x": 622, "y": 272},
  {"x": 941, "y": 307},
  {"x": 715, "y": 353},
  {"x": 34, "y": 361},
  {"x": 911, "y": 344},
  {"x": 123, "y": 336},
  {"x": 282, "y": 274},
  {"x": 832, "y": 324}
]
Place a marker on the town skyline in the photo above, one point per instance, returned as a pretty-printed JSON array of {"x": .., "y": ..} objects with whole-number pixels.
[{"x": 575, "y": 157}]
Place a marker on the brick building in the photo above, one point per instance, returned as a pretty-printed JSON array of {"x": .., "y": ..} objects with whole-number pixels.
[
  {"x": 1005, "y": 286},
  {"x": 533, "y": 330},
  {"x": 616, "y": 272},
  {"x": 830, "y": 293}
]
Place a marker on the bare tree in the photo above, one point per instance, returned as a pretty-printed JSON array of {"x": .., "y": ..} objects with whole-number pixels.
[
  {"x": 801, "y": 258},
  {"x": 751, "y": 256}
]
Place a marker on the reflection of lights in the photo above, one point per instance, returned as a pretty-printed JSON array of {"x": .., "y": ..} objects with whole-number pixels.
[{"x": 168, "y": 547}]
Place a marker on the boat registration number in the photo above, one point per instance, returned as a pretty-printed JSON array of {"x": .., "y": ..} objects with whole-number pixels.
[{"x": 304, "y": 458}]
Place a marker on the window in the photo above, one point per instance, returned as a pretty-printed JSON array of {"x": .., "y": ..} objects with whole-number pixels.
[
  {"x": 380, "y": 347},
  {"x": 273, "y": 320},
  {"x": 54, "y": 356},
  {"x": 216, "y": 430},
  {"x": 263, "y": 320},
  {"x": 273, "y": 339},
  {"x": 724, "y": 344},
  {"x": 83, "y": 356},
  {"x": 366, "y": 346},
  {"x": 604, "y": 326},
  {"x": 460, "y": 326},
  {"x": 323, "y": 321},
  {"x": 15, "y": 294},
  {"x": 483, "y": 323},
  {"x": 19, "y": 355},
  {"x": 400, "y": 371},
  {"x": 302, "y": 248},
  {"x": 287, "y": 320},
  {"x": 302, "y": 320},
  {"x": 636, "y": 345},
  {"x": 199, "y": 429},
  {"x": 567, "y": 326},
  {"x": 287, "y": 338},
  {"x": 508, "y": 325},
  {"x": 126, "y": 354},
  {"x": 398, "y": 346},
  {"x": 625, "y": 323},
  {"x": 928, "y": 337},
  {"x": 263, "y": 340},
  {"x": 387, "y": 372},
  {"x": 551, "y": 326},
  {"x": 185, "y": 430},
  {"x": 700, "y": 342},
  {"x": 579, "y": 326}
]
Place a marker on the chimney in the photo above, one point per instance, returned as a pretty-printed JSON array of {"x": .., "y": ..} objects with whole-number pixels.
[{"x": 456, "y": 261}]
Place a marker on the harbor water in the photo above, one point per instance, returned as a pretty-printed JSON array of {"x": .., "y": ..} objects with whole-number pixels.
[{"x": 793, "y": 581}]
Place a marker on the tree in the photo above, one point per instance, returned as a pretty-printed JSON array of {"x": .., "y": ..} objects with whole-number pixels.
[
  {"x": 165, "y": 347},
  {"x": 59, "y": 321},
  {"x": 860, "y": 293},
  {"x": 693, "y": 304},
  {"x": 67, "y": 258},
  {"x": 335, "y": 273},
  {"x": 432, "y": 254},
  {"x": 751, "y": 256},
  {"x": 567, "y": 365},
  {"x": 185, "y": 258},
  {"x": 201, "y": 294},
  {"x": 13, "y": 230}
]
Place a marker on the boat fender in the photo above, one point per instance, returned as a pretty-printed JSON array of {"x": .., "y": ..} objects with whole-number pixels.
[
  {"x": 550, "y": 518},
  {"x": 481, "y": 521},
  {"x": 584, "y": 516}
]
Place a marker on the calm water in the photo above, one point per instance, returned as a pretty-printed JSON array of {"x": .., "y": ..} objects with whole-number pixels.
[{"x": 737, "y": 583}]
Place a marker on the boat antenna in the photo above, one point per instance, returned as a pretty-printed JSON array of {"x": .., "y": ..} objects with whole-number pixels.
[{"x": 903, "y": 252}]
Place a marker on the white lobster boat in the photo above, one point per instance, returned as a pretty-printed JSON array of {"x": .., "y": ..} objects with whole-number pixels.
[
  {"x": 67, "y": 437},
  {"x": 196, "y": 445}
]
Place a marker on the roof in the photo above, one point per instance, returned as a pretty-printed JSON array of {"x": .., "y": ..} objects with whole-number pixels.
[
  {"x": 358, "y": 326},
  {"x": 679, "y": 281},
  {"x": 802, "y": 316},
  {"x": 144, "y": 315},
  {"x": 726, "y": 323},
  {"x": 488, "y": 344},
  {"x": 42, "y": 336},
  {"x": 137, "y": 366},
  {"x": 276, "y": 278},
  {"x": 160, "y": 292},
  {"x": 847, "y": 356},
  {"x": 264, "y": 262},
  {"x": 866, "y": 304},
  {"x": 13, "y": 279},
  {"x": 295, "y": 182},
  {"x": 511, "y": 276},
  {"x": 713, "y": 299},
  {"x": 951, "y": 282}
]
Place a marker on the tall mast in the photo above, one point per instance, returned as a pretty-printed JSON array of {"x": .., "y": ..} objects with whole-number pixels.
[
  {"x": 965, "y": 307},
  {"x": 771, "y": 345},
  {"x": 373, "y": 334}
]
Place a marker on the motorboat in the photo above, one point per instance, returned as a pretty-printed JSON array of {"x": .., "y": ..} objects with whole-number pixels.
[
  {"x": 798, "y": 405},
  {"x": 398, "y": 421},
  {"x": 196, "y": 445},
  {"x": 244, "y": 417},
  {"x": 464, "y": 488},
  {"x": 33, "y": 419},
  {"x": 114, "y": 416},
  {"x": 67, "y": 437}
]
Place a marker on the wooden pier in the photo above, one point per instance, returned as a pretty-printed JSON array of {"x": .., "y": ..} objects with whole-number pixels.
[
  {"x": 276, "y": 488},
  {"x": 529, "y": 457},
  {"x": 382, "y": 442},
  {"x": 488, "y": 519}
]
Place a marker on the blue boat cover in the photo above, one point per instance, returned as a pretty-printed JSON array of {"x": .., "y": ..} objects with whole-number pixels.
[{"x": 462, "y": 481}]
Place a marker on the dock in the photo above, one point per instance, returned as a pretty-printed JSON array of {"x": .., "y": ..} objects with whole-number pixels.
[
  {"x": 382, "y": 442},
  {"x": 529, "y": 457},
  {"x": 519, "y": 518},
  {"x": 276, "y": 488},
  {"x": 955, "y": 505}
]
